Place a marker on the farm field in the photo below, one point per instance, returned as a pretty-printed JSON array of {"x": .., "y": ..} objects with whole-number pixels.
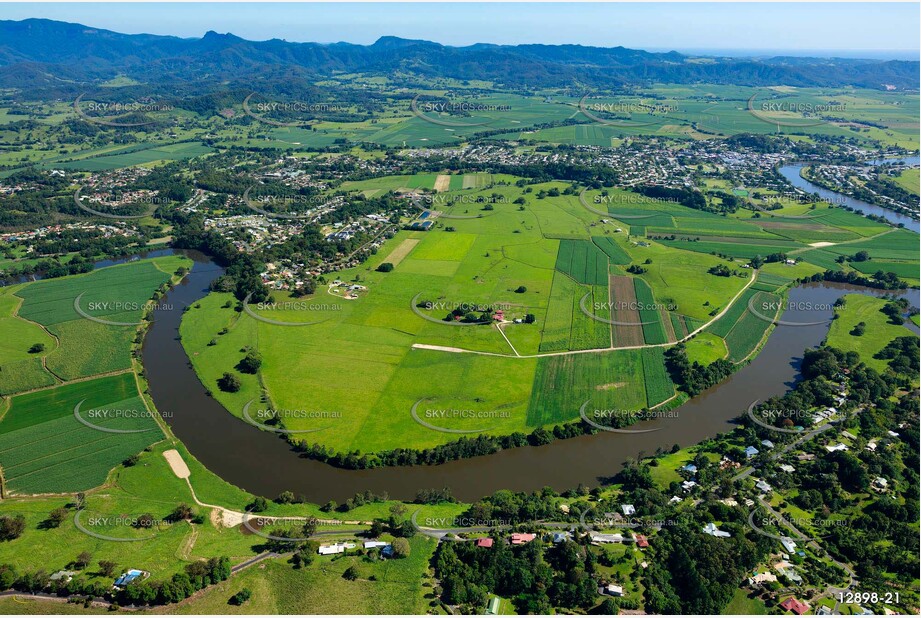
[
  {"x": 115, "y": 294},
  {"x": 44, "y": 448}
]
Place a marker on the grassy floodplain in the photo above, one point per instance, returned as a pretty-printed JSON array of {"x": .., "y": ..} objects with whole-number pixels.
[{"x": 367, "y": 363}]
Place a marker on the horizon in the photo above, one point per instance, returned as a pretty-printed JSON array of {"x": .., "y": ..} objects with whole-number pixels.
[{"x": 869, "y": 32}]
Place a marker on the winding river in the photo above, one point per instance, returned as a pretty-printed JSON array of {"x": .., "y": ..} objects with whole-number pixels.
[
  {"x": 792, "y": 174},
  {"x": 263, "y": 463}
]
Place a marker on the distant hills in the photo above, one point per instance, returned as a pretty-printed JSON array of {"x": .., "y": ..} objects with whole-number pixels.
[{"x": 41, "y": 53}]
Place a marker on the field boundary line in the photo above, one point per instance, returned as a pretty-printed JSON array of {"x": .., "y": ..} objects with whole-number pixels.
[
  {"x": 440, "y": 348},
  {"x": 96, "y": 376}
]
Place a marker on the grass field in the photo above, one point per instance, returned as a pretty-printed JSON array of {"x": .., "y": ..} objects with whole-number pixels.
[
  {"x": 44, "y": 448},
  {"x": 705, "y": 348},
  {"x": 19, "y": 369},
  {"x": 879, "y": 332}
]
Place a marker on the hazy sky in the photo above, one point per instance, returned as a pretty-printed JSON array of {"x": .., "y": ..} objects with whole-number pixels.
[{"x": 681, "y": 26}]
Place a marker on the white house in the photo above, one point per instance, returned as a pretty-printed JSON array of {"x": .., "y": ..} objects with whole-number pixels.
[{"x": 712, "y": 530}]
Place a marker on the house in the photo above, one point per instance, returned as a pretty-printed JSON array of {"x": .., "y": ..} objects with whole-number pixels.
[
  {"x": 372, "y": 544},
  {"x": 880, "y": 484},
  {"x": 641, "y": 541},
  {"x": 492, "y": 608},
  {"x": 712, "y": 530},
  {"x": 835, "y": 447},
  {"x": 763, "y": 486},
  {"x": 688, "y": 485},
  {"x": 750, "y": 451},
  {"x": 805, "y": 457},
  {"x": 689, "y": 468},
  {"x": 559, "y": 537},
  {"x": 788, "y": 544},
  {"x": 793, "y": 605},
  {"x": 628, "y": 509},
  {"x": 823, "y": 610},
  {"x": 787, "y": 468},
  {"x": 564, "y": 508},
  {"x": 484, "y": 542},
  {"x": 760, "y": 578},
  {"x": 871, "y": 446},
  {"x": 520, "y": 538},
  {"x": 848, "y": 435},
  {"x": 335, "y": 548},
  {"x": 600, "y": 539},
  {"x": 64, "y": 576},
  {"x": 612, "y": 590},
  {"x": 387, "y": 552},
  {"x": 767, "y": 444},
  {"x": 675, "y": 499}
]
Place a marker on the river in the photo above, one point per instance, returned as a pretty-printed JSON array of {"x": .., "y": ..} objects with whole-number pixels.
[
  {"x": 263, "y": 463},
  {"x": 792, "y": 174}
]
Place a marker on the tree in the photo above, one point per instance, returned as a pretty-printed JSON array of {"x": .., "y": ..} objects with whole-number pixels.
[
  {"x": 310, "y": 526},
  {"x": 241, "y": 597},
  {"x": 350, "y": 574},
  {"x": 36, "y": 348},
  {"x": 521, "y": 289},
  {"x": 385, "y": 267},
  {"x": 56, "y": 517},
  {"x": 229, "y": 383},
  {"x": 401, "y": 548},
  {"x": 258, "y": 505},
  {"x": 83, "y": 560},
  {"x": 11, "y": 527},
  {"x": 108, "y": 568},
  {"x": 250, "y": 363}
]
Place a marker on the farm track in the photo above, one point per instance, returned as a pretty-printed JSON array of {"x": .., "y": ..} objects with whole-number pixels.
[{"x": 453, "y": 350}]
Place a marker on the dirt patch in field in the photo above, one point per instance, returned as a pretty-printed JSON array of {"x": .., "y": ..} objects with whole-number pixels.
[
  {"x": 607, "y": 387},
  {"x": 821, "y": 244},
  {"x": 667, "y": 324},
  {"x": 175, "y": 461},
  {"x": 442, "y": 183},
  {"x": 402, "y": 250},
  {"x": 623, "y": 303}
]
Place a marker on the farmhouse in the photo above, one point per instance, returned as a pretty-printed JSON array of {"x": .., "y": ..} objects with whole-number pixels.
[
  {"x": 335, "y": 548},
  {"x": 484, "y": 542}
]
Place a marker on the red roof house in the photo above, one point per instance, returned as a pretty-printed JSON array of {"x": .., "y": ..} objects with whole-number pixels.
[
  {"x": 793, "y": 605},
  {"x": 640, "y": 540},
  {"x": 487, "y": 542},
  {"x": 520, "y": 538}
]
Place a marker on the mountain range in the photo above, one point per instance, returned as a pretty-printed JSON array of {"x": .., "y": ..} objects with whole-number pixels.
[{"x": 41, "y": 53}]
